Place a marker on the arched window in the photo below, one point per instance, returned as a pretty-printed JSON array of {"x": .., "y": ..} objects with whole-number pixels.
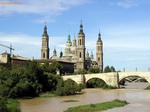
[
  {"x": 43, "y": 55},
  {"x": 80, "y": 55},
  {"x": 98, "y": 58},
  {"x": 80, "y": 41}
]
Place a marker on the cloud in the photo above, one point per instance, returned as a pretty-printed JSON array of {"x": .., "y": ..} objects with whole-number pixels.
[
  {"x": 27, "y": 45},
  {"x": 48, "y": 9},
  {"x": 127, "y": 3},
  {"x": 24, "y": 45}
]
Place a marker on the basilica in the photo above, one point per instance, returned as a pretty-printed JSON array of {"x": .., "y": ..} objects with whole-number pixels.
[{"x": 75, "y": 52}]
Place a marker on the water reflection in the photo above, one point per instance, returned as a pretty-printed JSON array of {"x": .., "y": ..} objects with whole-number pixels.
[{"x": 139, "y": 100}]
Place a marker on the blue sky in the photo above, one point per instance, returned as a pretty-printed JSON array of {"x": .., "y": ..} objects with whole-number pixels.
[{"x": 124, "y": 26}]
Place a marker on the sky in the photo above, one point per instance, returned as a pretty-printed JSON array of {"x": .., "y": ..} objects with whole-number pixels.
[{"x": 124, "y": 26}]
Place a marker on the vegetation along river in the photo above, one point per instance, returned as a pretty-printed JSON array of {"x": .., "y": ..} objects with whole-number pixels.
[{"x": 138, "y": 98}]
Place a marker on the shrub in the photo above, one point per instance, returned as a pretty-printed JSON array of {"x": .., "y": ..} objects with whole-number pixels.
[
  {"x": 13, "y": 106},
  {"x": 67, "y": 87},
  {"x": 3, "y": 106}
]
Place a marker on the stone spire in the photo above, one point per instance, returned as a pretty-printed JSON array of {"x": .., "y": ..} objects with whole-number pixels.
[
  {"x": 87, "y": 54},
  {"x": 74, "y": 41},
  {"x": 81, "y": 49},
  {"x": 81, "y": 28},
  {"x": 69, "y": 43},
  {"x": 45, "y": 44},
  {"x": 54, "y": 52},
  {"x": 99, "y": 52},
  {"x": 92, "y": 57},
  {"x": 61, "y": 54},
  {"x": 69, "y": 40},
  {"x": 45, "y": 31},
  {"x": 99, "y": 37}
]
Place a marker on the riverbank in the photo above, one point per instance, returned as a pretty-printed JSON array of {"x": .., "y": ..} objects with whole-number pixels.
[{"x": 98, "y": 106}]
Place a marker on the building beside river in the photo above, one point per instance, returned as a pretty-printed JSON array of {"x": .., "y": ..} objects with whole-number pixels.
[
  {"x": 14, "y": 59},
  {"x": 75, "y": 52}
]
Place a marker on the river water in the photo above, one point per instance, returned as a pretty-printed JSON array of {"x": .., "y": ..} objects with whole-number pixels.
[{"x": 138, "y": 98}]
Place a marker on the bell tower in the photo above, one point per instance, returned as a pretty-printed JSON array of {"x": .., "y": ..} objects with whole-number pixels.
[
  {"x": 45, "y": 44},
  {"x": 99, "y": 52},
  {"x": 81, "y": 49}
]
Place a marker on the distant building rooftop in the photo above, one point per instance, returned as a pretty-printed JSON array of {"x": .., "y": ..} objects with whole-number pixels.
[{"x": 19, "y": 58}]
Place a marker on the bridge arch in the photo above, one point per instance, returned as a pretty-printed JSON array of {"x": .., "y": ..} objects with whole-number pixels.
[
  {"x": 95, "y": 78},
  {"x": 144, "y": 75},
  {"x": 98, "y": 76},
  {"x": 95, "y": 82},
  {"x": 133, "y": 78},
  {"x": 71, "y": 80},
  {"x": 77, "y": 78}
]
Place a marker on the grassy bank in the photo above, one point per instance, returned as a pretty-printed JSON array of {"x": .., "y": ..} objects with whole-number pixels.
[
  {"x": 46, "y": 95},
  {"x": 147, "y": 88},
  {"x": 70, "y": 101},
  {"x": 98, "y": 107},
  {"x": 13, "y": 105}
]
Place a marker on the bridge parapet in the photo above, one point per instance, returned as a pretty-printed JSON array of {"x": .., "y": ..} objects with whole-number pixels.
[{"x": 76, "y": 78}]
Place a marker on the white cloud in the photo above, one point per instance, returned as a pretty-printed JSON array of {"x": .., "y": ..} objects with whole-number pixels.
[
  {"x": 19, "y": 38},
  {"x": 48, "y": 9},
  {"x": 127, "y": 3},
  {"x": 24, "y": 45},
  {"x": 28, "y": 46}
]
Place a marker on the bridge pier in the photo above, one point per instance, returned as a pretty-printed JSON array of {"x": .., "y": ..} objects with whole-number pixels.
[{"x": 113, "y": 79}]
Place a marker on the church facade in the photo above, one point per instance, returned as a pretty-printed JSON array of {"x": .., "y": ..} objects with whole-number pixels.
[{"x": 75, "y": 51}]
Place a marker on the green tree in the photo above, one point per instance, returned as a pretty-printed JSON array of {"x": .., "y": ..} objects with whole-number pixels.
[
  {"x": 60, "y": 88},
  {"x": 2, "y": 68},
  {"x": 68, "y": 87},
  {"x": 52, "y": 68},
  {"x": 55, "y": 66},
  {"x": 21, "y": 81},
  {"x": 50, "y": 81},
  {"x": 32, "y": 79},
  {"x": 82, "y": 71},
  {"x": 107, "y": 69},
  {"x": 112, "y": 69},
  {"x": 46, "y": 67},
  {"x": 3, "y": 106},
  {"x": 94, "y": 70}
]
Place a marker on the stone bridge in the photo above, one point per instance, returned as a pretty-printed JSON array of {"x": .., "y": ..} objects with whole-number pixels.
[{"x": 112, "y": 78}]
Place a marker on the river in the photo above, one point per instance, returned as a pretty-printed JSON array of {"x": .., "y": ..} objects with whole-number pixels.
[{"x": 138, "y": 98}]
